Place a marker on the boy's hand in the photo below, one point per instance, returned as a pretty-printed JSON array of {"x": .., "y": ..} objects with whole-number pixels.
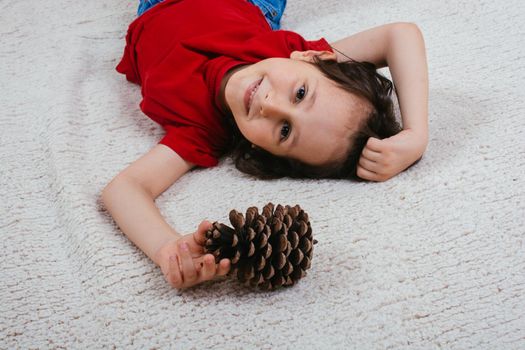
[
  {"x": 383, "y": 159},
  {"x": 183, "y": 262}
]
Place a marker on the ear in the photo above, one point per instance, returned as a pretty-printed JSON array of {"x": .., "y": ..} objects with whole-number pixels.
[{"x": 308, "y": 56}]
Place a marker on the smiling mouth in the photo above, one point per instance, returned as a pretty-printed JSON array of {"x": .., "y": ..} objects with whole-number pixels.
[{"x": 250, "y": 93}]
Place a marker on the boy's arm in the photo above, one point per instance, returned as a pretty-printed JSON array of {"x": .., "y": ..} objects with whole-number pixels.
[
  {"x": 130, "y": 199},
  {"x": 401, "y": 47}
]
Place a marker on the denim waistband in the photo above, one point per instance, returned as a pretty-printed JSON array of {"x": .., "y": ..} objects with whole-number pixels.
[{"x": 272, "y": 9}]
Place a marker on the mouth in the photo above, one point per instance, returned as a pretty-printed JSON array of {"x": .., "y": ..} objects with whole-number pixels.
[{"x": 250, "y": 93}]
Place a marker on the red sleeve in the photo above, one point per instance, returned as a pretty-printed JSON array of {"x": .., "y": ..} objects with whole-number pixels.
[
  {"x": 189, "y": 142},
  {"x": 319, "y": 45}
]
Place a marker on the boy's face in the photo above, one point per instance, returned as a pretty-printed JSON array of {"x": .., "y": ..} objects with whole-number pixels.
[{"x": 289, "y": 108}]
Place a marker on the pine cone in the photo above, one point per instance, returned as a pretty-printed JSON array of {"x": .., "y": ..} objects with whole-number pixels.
[{"x": 267, "y": 250}]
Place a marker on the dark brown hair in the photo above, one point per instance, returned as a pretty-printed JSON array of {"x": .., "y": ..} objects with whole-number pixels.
[{"x": 359, "y": 78}]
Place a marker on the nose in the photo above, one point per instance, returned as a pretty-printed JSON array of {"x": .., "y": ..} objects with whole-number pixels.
[{"x": 273, "y": 107}]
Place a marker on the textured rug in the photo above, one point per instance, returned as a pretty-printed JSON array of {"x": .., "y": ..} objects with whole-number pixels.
[{"x": 433, "y": 258}]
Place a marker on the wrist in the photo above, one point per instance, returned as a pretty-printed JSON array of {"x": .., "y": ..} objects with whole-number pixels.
[
  {"x": 419, "y": 138},
  {"x": 161, "y": 252}
]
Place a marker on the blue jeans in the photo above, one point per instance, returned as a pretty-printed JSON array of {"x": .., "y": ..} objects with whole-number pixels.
[{"x": 271, "y": 9}]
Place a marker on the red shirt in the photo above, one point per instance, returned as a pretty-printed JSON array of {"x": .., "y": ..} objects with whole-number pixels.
[{"x": 179, "y": 51}]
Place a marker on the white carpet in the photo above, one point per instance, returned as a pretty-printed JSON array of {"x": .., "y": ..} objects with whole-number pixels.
[{"x": 433, "y": 258}]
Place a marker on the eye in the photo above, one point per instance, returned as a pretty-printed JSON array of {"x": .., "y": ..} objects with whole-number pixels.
[
  {"x": 285, "y": 131},
  {"x": 299, "y": 95}
]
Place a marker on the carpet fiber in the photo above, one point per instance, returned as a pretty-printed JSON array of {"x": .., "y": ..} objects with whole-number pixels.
[{"x": 433, "y": 258}]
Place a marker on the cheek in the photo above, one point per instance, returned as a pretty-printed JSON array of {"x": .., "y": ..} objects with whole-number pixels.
[
  {"x": 255, "y": 132},
  {"x": 246, "y": 129}
]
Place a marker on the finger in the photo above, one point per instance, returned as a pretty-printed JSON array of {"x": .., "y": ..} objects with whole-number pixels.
[
  {"x": 366, "y": 174},
  {"x": 374, "y": 144},
  {"x": 189, "y": 274},
  {"x": 208, "y": 268},
  {"x": 224, "y": 267},
  {"x": 371, "y": 155},
  {"x": 370, "y": 175},
  {"x": 174, "y": 276},
  {"x": 199, "y": 264},
  {"x": 200, "y": 235},
  {"x": 369, "y": 165}
]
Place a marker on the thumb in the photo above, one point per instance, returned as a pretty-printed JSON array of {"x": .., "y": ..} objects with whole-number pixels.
[{"x": 200, "y": 234}]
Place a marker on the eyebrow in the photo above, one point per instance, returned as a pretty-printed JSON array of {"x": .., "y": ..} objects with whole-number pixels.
[{"x": 296, "y": 133}]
